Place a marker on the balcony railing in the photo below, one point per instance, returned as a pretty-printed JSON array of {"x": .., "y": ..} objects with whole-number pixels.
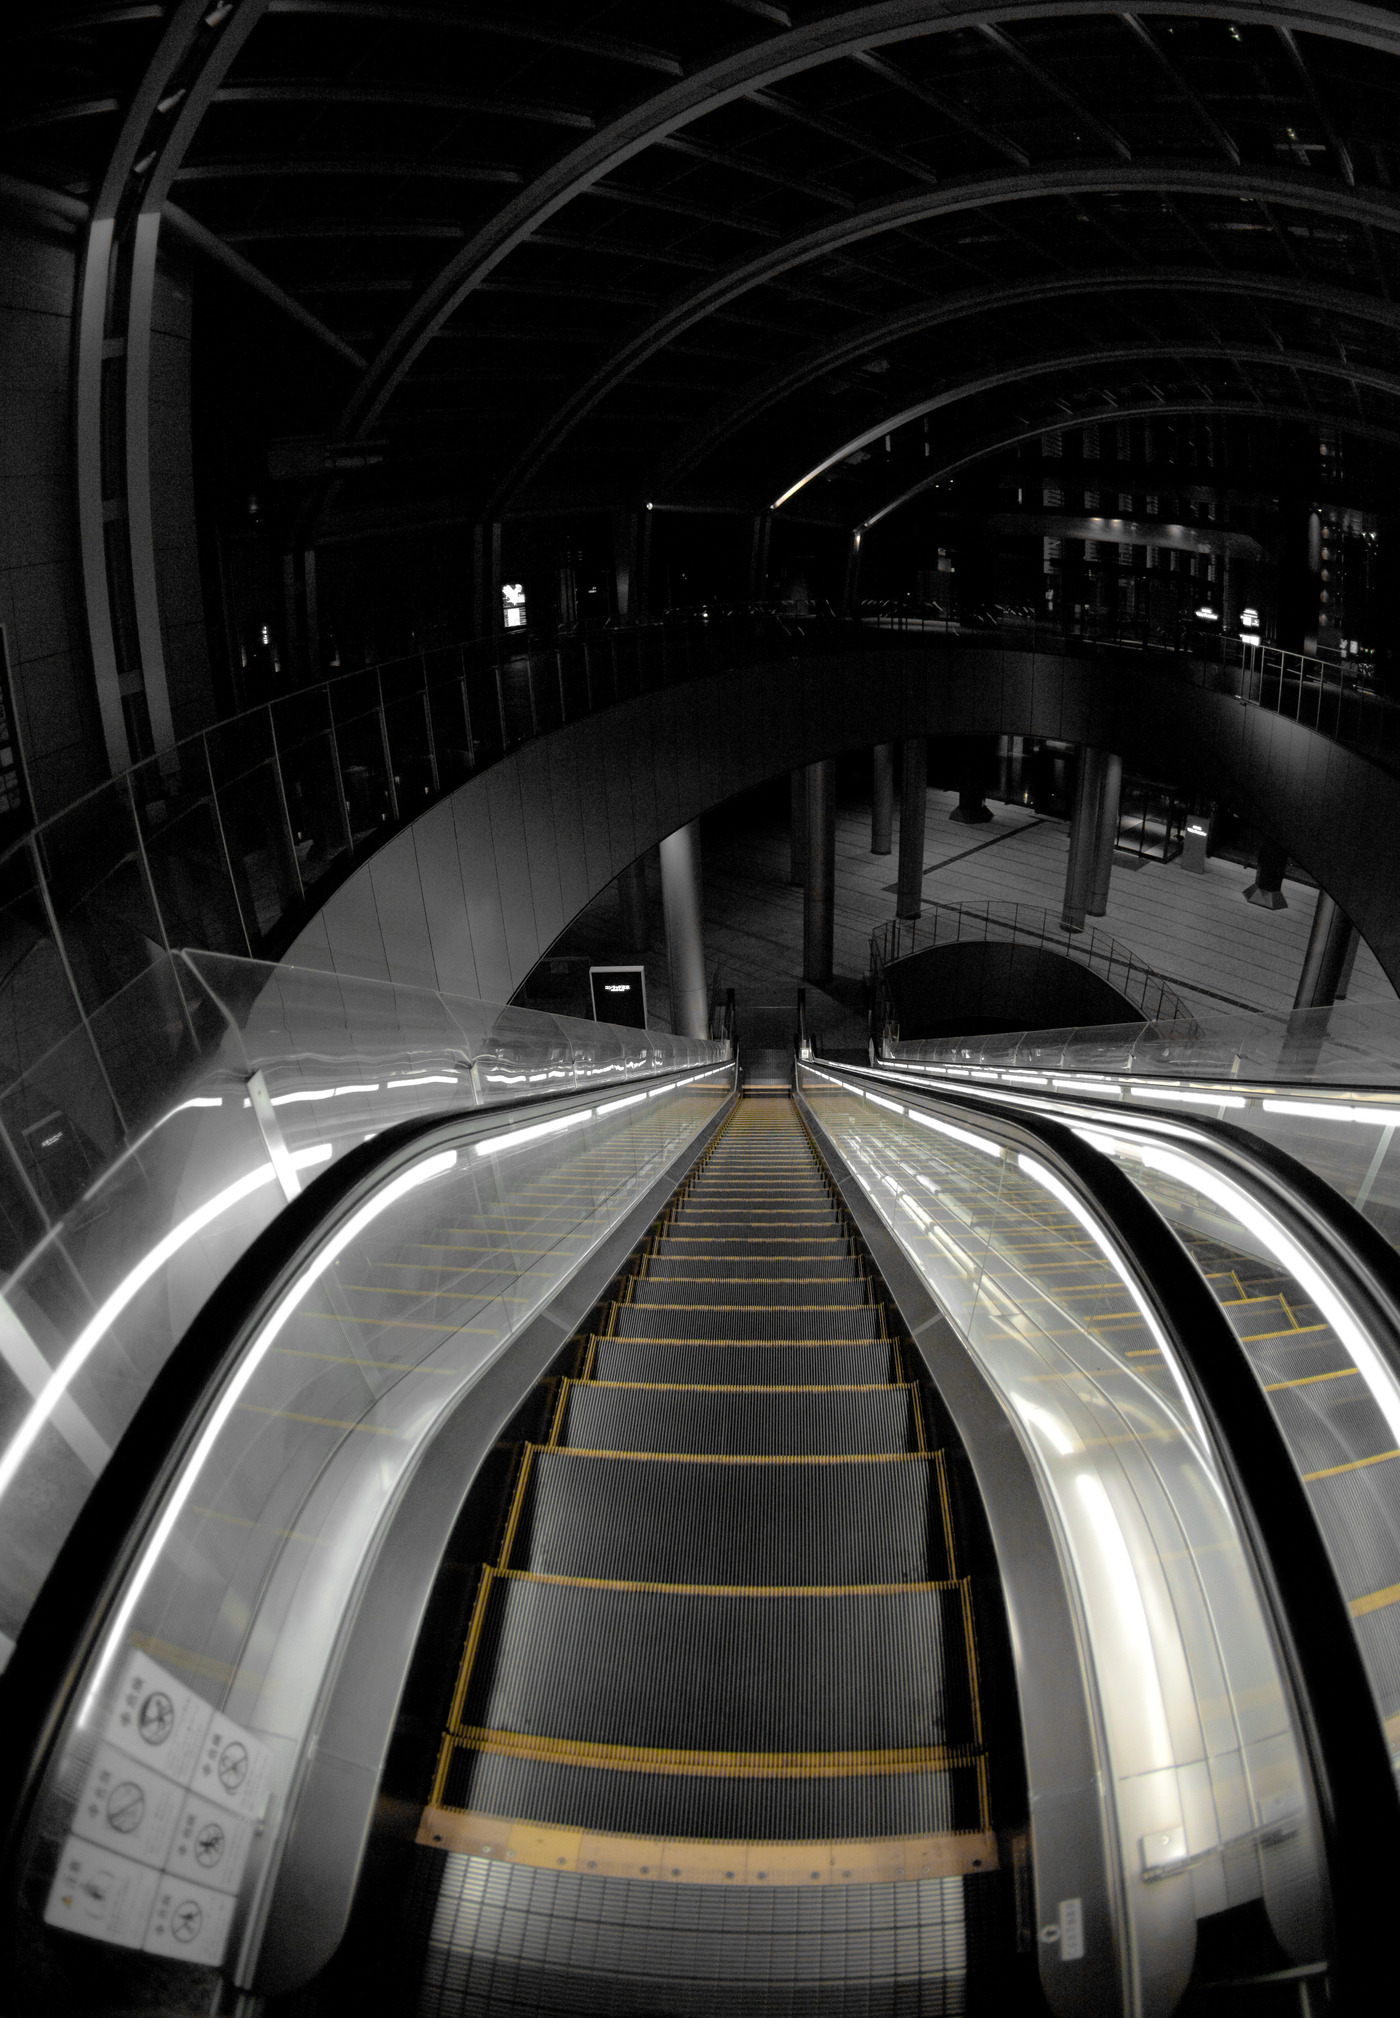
[
  {"x": 1337, "y": 698},
  {"x": 1022, "y": 925}
]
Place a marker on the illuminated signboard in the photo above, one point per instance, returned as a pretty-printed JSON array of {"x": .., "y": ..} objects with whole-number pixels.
[{"x": 619, "y": 996}]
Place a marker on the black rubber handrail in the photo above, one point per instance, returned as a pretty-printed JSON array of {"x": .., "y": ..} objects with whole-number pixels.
[
  {"x": 1358, "y": 1802},
  {"x": 69, "y": 1615}
]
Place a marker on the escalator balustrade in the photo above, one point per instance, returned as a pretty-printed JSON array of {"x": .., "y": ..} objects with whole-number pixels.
[{"x": 725, "y": 1638}]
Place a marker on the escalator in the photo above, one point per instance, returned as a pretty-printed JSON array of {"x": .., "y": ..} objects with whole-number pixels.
[
  {"x": 724, "y": 1670},
  {"x": 704, "y": 1697}
]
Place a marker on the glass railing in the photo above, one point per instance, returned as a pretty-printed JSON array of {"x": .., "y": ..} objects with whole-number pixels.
[
  {"x": 1321, "y": 1084},
  {"x": 162, "y": 1829},
  {"x": 1338, "y": 697},
  {"x": 230, "y": 840},
  {"x": 1205, "y": 1772},
  {"x": 271, "y": 1076}
]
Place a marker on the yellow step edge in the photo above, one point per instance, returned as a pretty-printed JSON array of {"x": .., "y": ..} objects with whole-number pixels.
[
  {"x": 725, "y": 1457},
  {"x": 586, "y": 1752},
  {"x": 868, "y": 1861},
  {"x": 726, "y": 1590}
]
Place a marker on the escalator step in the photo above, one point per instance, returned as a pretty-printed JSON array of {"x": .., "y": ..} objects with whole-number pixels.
[
  {"x": 791, "y": 1806},
  {"x": 718, "y": 1364},
  {"x": 747, "y": 1323},
  {"x": 861, "y": 1670},
  {"x": 780, "y": 1522},
  {"x": 750, "y": 1269},
  {"x": 652, "y": 1293},
  {"x": 759, "y": 1422}
]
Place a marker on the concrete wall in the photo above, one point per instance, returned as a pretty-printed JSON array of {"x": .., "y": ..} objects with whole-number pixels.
[
  {"x": 40, "y": 585},
  {"x": 470, "y": 896}
]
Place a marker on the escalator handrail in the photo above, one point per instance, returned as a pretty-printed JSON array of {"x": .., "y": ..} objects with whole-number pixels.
[
  {"x": 69, "y": 1616},
  {"x": 1325, "y": 1222},
  {"x": 1358, "y": 1798}
]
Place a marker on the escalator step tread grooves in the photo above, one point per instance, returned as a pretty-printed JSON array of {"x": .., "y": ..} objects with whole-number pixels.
[
  {"x": 726, "y": 1607},
  {"x": 732, "y": 1421}
]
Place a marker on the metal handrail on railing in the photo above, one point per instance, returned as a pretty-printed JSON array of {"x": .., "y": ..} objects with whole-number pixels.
[
  {"x": 1335, "y": 697},
  {"x": 1024, "y": 925}
]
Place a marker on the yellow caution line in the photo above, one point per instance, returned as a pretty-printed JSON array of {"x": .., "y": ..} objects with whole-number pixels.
[
  {"x": 738, "y": 1765},
  {"x": 1356, "y": 1464},
  {"x": 545, "y": 1846},
  {"x": 1289, "y": 1331},
  {"x": 723, "y": 1457},
  {"x": 374, "y": 1365},
  {"x": 753, "y": 1387},
  {"x": 724, "y": 1590},
  {"x": 726, "y": 1344},
  {"x": 320, "y": 1421},
  {"x": 1309, "y": 1379},
  {"x": 1374, "y": 1601}
]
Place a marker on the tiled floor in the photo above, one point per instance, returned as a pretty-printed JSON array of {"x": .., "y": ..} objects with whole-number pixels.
[{"x": 1219, "y": 952}]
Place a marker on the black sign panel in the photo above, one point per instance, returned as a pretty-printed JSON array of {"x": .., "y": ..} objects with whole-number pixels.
[{"x": 619, "y": 996}]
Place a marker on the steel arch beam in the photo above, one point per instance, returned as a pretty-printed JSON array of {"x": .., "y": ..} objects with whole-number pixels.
[
  {"x": 1384, "y": 382},
  {"x": 779, "y": 384},
  {"x": 852, "y": 32},
  {"x": 1241, "y": 409},
  {"x": 1289, "y": 188},
  {"x": 123, "y": 230}
]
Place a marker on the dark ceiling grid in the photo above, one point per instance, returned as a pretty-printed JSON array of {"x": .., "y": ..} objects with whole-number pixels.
[{"x": 993, "y": 101}]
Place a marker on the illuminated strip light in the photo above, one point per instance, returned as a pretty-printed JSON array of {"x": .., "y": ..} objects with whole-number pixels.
[
  {"x": 982, "y": 1142},
  {"x": 611, "y": 1106},
  {"x": 1336, "y": 1110},
  {"x": 130, "y": 1286},
  {"x": 407, "y": 1180},
  {"x": 1189, "y": 1099},
  {"x": 1286, "y": 1251},
  {"x": 307, "y": 1093},
  {"x": 1099, "y": 1090},
  {"x": 370, "y": 1087},
  {"x": 429, "y": 1079},
  {"x": 531, "y": 1134},
  {"x": 1025, "y": 1078},
  {"x": 877, "y": 1100}
]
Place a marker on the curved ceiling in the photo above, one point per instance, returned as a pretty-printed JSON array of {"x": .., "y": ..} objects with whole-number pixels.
[{"x": 580, "y": 254}]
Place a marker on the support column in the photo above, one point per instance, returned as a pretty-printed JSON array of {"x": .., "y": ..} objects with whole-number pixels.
[
  {"x": 1328, "y": 960},
  {"x": 1083, "y": 839},
  {"x": 882, "y": 798},
  {"x": 850, "y": 592},
  {"x": 1267, "y": 888},
  {"x": 819, "y": 895},
  {"x": 913, "y": 806},
  {"x": 1106, "y": 833},
  {"x": 797, "y": 828},
  {"x": 758, "y": 555},
  {"x": 626, "y": 543},
  {"x": 631, "y": 887},
  {"x": 971, "y": 809},
  {"x": 685, "y": 937}
]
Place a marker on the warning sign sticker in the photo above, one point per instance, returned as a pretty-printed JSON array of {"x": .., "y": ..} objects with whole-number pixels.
[
  {"x": 211, "y": 1845},
  {"x": 189, "y": 1921},
  {"x": 158, "y": 1720},
  {"x": 105, "y": 1896},
  {"x": 234, "y": 1768},
  {"x": 128, "y": 1807}
]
